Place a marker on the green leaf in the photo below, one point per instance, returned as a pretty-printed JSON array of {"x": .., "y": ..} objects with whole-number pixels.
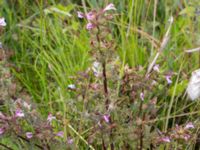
[
  {"x": 179, "y": 89},
  {"x": 190, "y": 11},
  {"x": 60, "y": 9}
]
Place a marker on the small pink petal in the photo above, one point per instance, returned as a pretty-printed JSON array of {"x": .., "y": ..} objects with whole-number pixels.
[
  {"x": 89, "y": 26},
  {"x": 70, "y": 141},
  {"x": 29, "y": 135},
  {"x": 168, "y": 78},
  {"x": 106, "y": 118},
  {"x": 80, "y": 14},
  {"x": 2, "y": 22},
  {"x": 60, "y": 134},
  {"x": 2, "y": 130},
  {"x": 156, "y": 68},
  {"x": 19, "y": 113},
  {"x": 50, "y": 118},
  {"x": 109, "y": 7},
  {"x": 142, "y": 96},
  {"x": 189, "y": 125},
  {"x": 186, "y": 137},
  {"x": 91, "y": 15},
  {"x": 165, "y": 139},
  {"x": 2, "y": 116}
]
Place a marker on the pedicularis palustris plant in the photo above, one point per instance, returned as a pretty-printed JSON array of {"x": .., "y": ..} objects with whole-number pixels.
[
  {"x": 121, "y": 115},
  {"x": 102, "y": 47},
  {"x": 101, "y": 40}
]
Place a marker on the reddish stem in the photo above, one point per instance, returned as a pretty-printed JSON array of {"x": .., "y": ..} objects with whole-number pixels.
[{"x": 105, "y": 85}]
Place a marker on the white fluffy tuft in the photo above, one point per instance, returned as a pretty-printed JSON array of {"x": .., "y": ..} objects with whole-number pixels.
[{"x": 193, "y": 88}]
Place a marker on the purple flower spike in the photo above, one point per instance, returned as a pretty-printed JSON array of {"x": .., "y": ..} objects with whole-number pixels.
[
  {"x": 2, "y": 130},
  {"x": 142, "y": 96},
  {"x": 29, "y": 135},
  {"x": 189, "y": 126},
  {"x": 109, "y": 7},
  {"x": 106, "y": 118},
  {"x": 60, "y": 134},
  {"x": 2, "y": 22},
  {"x": 168, "y": 78},
  {"x": 50, "y": 118},
  {"x": 89, "y": 26},
  {"x": 19, "y": 113},
  {"x": 80, "y": 14},
  {"x": 165, "y": 139}
]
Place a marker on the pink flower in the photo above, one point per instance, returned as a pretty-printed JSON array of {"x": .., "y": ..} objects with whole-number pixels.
[
  {"x": 168, "y": 78},
  {"x": 70, "y": 141},
  {"x": 60, "y": 134},
  {"x": 50, "y": 118},
  {"x": 156, "y": 68},
  {"x": 80, "y": 14},
  {"x": 19, "y": 113},
  {"x": 91, "y": 15},
  {"x": 90, "y": 26},
  {"x": 106, "y": 118},
  {"x": 29, "y": 135},
  {"x": 2, "y": 22},
  {"x": 142, "y": 96},
  {"x": 2, "y": 130},
  {"x": 165, "y": 139},
  {"x": 189, "y": 126},
  {"x": 2, "y": 116},
  {"x": 177, "y": 127},
  {"x": 109, "y": 7},
  {"x": 186, "y": 137}
]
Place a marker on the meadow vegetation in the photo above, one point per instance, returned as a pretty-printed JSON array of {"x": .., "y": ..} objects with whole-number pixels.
[{"x": 98, "y": 74}]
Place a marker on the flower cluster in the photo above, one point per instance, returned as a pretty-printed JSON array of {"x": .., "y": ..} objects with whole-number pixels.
[
  {"x": 94, "y": 17},
  {"x": 17, "y": 124},
  {"x": 100, "y": 33},
  {"x": 178, "y": 133}
]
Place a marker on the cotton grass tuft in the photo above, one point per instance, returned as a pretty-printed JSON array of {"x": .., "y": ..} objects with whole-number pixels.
[{"x": 193, "y": 88}]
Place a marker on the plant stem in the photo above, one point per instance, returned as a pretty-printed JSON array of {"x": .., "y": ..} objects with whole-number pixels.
[
  {"x": 103, "y": 143},
  {"x": 142, "y": 133},
  {"x": 38, "y": 146},
  {"x": 5, "y": 146},
  {"x": 105, "y": 85}
]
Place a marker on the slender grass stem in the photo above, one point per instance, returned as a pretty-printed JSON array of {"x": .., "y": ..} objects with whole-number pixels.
[
  {"x": 172, "y": 100},
  {"x": 90, "y": 146}
]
